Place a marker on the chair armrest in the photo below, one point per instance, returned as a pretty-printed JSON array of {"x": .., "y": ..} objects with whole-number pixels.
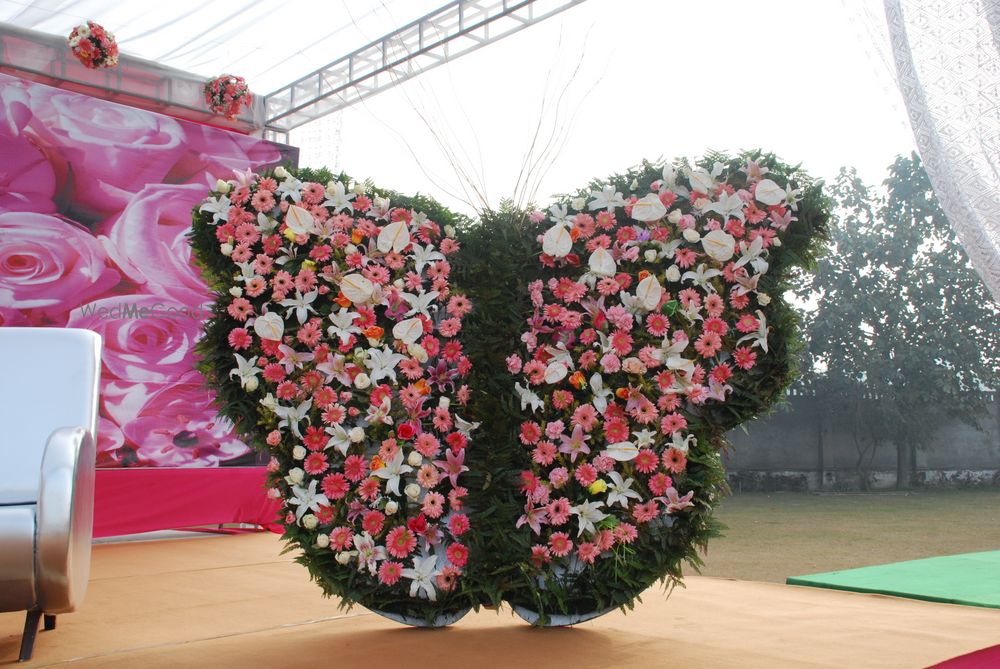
[{"x": 65, "y": 519}]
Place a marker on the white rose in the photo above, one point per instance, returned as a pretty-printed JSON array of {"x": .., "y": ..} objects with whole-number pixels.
[
  {"x": 692, "y": 235},
  {"x": 675, "y": 216},
  {"x": 776, "y": 241},
  {"x": 299, "y": 453},
  {"x": 673, "y": 274},
  {"x": 236, "y": 291},
  {"x": 295, "y": 475},
  {"x": 415, "y": 459},
  {"x": 83, "y": 30},
  {"x": 412, "y": 491},
  {"x": 222, "y": 186},
  {"x": 417, "y": 352},
  {"x": 391, "y": 507},
  {"x": 251, "y": 384},
  {"x": 444, "y": 402},
  {"x": 322, "y": 541},
  {"x": 280, "y": 172},
  {"x": 226, "y": 249},
  {"x": 362, "y": 381},
  {"x": 309, "y": 521},
  {"x": 356, "y": 434},
  {"x": 449, "y": 231},
  {"x": 578, "y": 203},
  {"x": 763, "y": 299},
  {"x": 650, "y": 255},
  {"x": 343, "y": 557},
  {"x": 74, "y": 41},
  {"x": 633, "y": 366},
  {"x": 358, "y": 188},
  {"x": 719, "y": 245}
]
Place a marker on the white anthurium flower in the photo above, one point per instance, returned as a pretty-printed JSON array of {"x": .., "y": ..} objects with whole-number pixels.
[
  {"x": 218, "y": 207},
  {"x": 528, "y": 398},
  {"x": 701, "y": 276},
  {"x": 392, "y": 471},
  {"x": 682, "y": 444},
  {"x": 291, "y": 416},
  {"x": 607, "y": 199},
  {"x": 424, "y": 255},
  {"x": 464, "y": 426},
  {"x": 622, "y": 451},
  {"x": 759, "y": 337},
  {"x": 382, "y": 363},
  {"x": 555, "y": 372},
  {"x": 420, "y": 304},
  {"x": 602, "y": 263},
  {"x": 751, "y": 254},
  {"x": 301, "y": 305},
  {"x": 649, "y": 208},
  {"x": 620, "y": 491},
  {"x": 557, "y": 241},
  {"x": 379, "y": 414},
  {"x": 338, "y": 197},
  {"x": 265, "y": 224},
  {"x": 369, "y": 555},
  {"x": 269, "y": 326},
  {"x": 340, "y": 439},
  {"x": 423, "y": 574},
  {"x": 601, "y": 394},
  {"x": 292, "y": 359},
  {"x": 669, "y": 175},
  {"x": 588, "y": 514},
  {"x": 307, "y": 499},
  {"x": 728, "y": 206},
  {"x": 719, "y": 245},
  {"x": 408, "y": 331},
  {"x": 290, "y": 187},
  {"x": 769, "y": 192},
  {"x": 644, "y": 438},
  {"x": 393, "y": 237},
  {"x": 335, "y": 367},
  {"x": 357, "y": 288},
  {"x": 300, "y": 221},
  {"x": 246, "y": 371},
  {"x": 704, "y": 181},
  {"x": 648, "y": 293},
  {"x": 343, "y": 325}
]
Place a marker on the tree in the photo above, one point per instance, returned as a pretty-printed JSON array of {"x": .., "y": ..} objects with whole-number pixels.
[{"x": 904, "y": 336}]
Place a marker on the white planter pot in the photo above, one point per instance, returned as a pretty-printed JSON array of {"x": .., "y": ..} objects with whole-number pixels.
[
  {"x": 558, "y": 619},
  {"x": 442, "y": 620}
]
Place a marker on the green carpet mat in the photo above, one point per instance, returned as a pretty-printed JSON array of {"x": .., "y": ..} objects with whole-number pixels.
[{"x": 972, "y": 579}]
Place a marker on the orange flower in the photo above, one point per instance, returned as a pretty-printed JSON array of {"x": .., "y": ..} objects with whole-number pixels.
[
  {"x": 377, "y": 463},
  {"x": 373, "y": 332},
  {"x": 423, "y": 387},
  {"x": 578, "y": 379},
  {"x": 622, "y": 393},
  {"x": 643, "y": 274},
  {"x": 342, "y": 300},
  {"x": 574, "y": 233},
  {"x": 356, "y": 237}
]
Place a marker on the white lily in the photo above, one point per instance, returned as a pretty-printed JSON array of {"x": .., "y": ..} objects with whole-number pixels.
[
  {"x": 343, "y": 325},
  {"x": 337, "y": 197},
  {"x": 728, "y": 206},
  {"x": 292, "y": 359},
  {"x": 528, "y": 398},
  {"x": 291, "y": 416},
  {"x": 218, "y": 207},
  {"x": 587, "y": 515},
  {"x": 247, "y": 272},
  {"x": 702, "y": 180},
  {"x": 339, "y": 439},
  {"x": 751, "y": 254},
  {"x": 290, "y": 187},
  {"x": 757, "y": 338},
  {"x": 559, "y": 353},
  {"x": 701, "y": 277},
  {"x": 307, "y": 499},
  {"x": 246, "y": 371},
  {"x": 335, "y": 367},
  {"x": 682, "y": 444},
  {"x": 265, "y": 224},
  {"x": 420, "y": 304},
  {"x": 601, "y": 394},
  {"x": 607, "y": 199},
  {"x": 379, "y": 414},
  {"x": 620, "y": 491},
  {"x": 424, "y": 255},
  {"x": 464, "y": 426},
  {"x": 369, "y": 555},
  {"x": 300, "y": 304},
  {"x": 392, "y": 471},
  {"x": 423, "y": 575},
  {"x": 382, "y": 363},
  {"x": 644, "y": 438}
]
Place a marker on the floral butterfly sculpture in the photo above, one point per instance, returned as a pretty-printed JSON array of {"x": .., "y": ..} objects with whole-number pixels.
[
  {"x": 658, "y": 324},
  {"x": 334, "y": 347}
]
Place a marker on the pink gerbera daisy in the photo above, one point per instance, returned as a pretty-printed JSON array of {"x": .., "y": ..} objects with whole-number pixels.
[
  {"x": 315, "y": 463},
  {"x": 390, "y": 572},
  {"x": 560, "y": 544},
  {"x": 400, "y": 542},
  {"x": 588, "y": 552}
]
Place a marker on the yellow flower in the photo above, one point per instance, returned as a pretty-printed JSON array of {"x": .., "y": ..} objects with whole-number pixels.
[
  {"x": 597, "y": 487},
  {"x": 308, "y": 264},
  {"x": 290, "y": 234}
]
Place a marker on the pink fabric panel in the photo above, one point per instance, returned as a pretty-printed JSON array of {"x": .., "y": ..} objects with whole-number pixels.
[{"x": 137, "y": 500}]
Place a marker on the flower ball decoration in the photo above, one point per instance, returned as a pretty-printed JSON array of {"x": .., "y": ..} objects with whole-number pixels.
[
  {"x": 659, "y": 325},
  {"x": 227, "y": 94},
  {"x": 94, "y": 46},
  {"x": 334, "y": 346}
]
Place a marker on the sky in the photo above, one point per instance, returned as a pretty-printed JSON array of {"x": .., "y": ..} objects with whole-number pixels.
[{"x": 612, "y": 82}]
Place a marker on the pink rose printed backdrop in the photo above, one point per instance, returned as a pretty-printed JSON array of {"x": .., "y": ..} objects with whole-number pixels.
[{"x": 95, "y": 201}]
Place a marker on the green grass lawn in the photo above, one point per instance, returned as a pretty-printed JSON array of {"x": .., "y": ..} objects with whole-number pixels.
[{"x": 773, "y": 536}]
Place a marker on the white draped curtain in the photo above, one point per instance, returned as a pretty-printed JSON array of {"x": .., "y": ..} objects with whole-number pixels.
[{"x": 947, "y": 60}]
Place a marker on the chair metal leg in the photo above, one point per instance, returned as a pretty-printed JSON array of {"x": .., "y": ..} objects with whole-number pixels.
[
  {"x": 48, "y": 622},
  {"x": 28, "y": 637}
]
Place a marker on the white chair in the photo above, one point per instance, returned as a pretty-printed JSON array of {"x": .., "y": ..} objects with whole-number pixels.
[{"x": 48, "y": 428}]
